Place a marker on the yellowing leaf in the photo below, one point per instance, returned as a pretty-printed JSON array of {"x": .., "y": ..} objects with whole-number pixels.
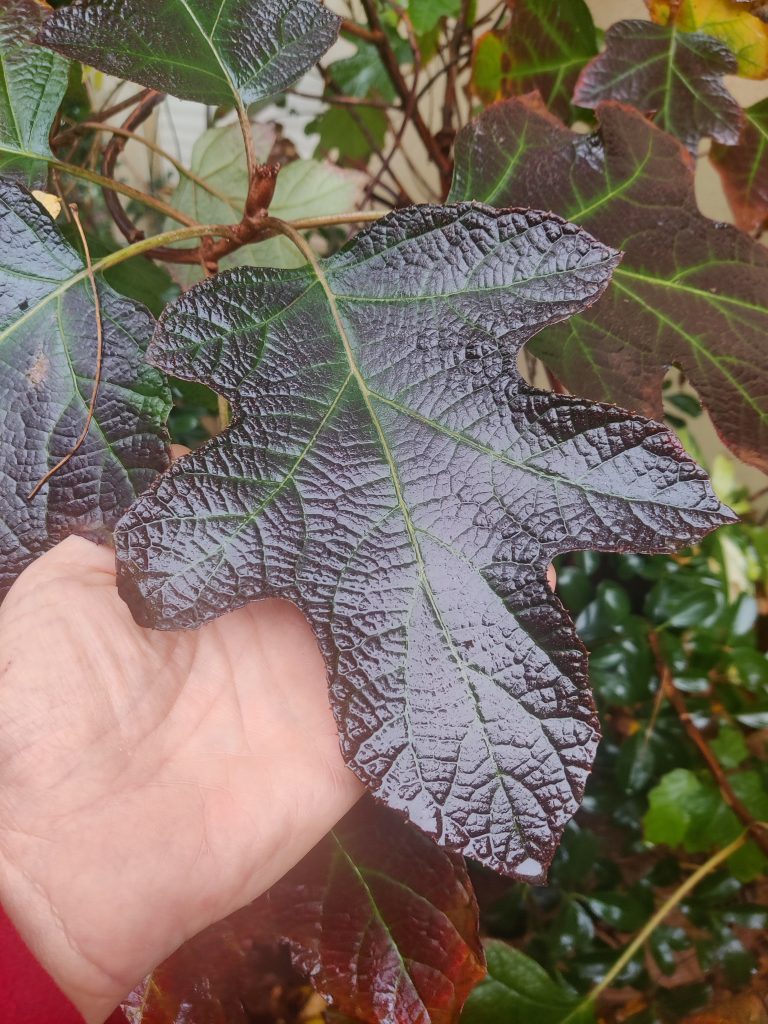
[
  {"x": 48, "y": 201},
  {"x": 726, "y": 20}
]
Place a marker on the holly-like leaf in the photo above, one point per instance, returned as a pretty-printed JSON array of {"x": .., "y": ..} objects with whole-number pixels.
[
  {"x": 544, "y": 45},
  {"x": 384, "y": 922},
  {"x": 744, "y": 170},
  {"x": 745, "y": 34},
  {"x": 32, "y": 85},
  {"x": 48, "y": 340},
  {"x": 390, "y": 472},
  {"x": 518, "y": 989},
  {"x": 212, "y": 51},
  {"x": 304, "y": 188},
  {"x": 677, "y": 77},
  {"x": 689, "y": 291}
]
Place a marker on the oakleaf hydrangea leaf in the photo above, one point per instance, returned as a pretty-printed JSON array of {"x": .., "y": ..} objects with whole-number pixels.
[
  {"x": 389, "y": 471},
  {"x": 543, "y": 45},
  {"x": 212, "y": 51},
  {"x": 742, "y": 31},
  {"x": 48, "y": 342},
  {"x": 677, "y": 77},
  {"x": 32, "y": 85},
  {"x": 382, "y": 921},
  {"x": 744, "y": 169},
  {"x": 690, "y": 291}
]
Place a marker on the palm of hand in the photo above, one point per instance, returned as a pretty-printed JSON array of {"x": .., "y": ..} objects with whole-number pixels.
[{"x": 169, "y": 775}]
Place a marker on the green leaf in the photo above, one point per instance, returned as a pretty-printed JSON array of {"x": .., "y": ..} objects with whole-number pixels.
[
  {"x": 32, "y": 85},
  {"x": 689, "y": 290},
  {"x": 669, "y": 813},
  {"x": 304, "y": 188},
  {"x": 425, "y": 14},
  {"x": 517, "y": 989},
  {"x": 676, "y": 76},
  {"x": 744, "y": 170},
  {"x": 543, "y": 45},
  {"x": 212, "y": 51},
  {"x": 729, "y": 747},
  {"x": 48, "y": 340},
  {"x": 350, "y": 134},
  {"x": 388, "y": 470}
]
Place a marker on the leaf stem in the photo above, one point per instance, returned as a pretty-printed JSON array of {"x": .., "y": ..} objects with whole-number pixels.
[
  {"x": 356, "y": 216},
  {"x": 655, "y": 920},
  {"x": 165, "y": 238}
]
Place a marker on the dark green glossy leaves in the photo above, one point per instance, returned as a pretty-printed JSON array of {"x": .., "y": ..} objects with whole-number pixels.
[
  {"x": 32, "y": 84},
  {"x": 688, "y": 291},
  {"x": 48, "y": 345},
  {"x": 389, "y": 471},
  {"x": 212, "y": 51},
  {"x": 677, "y": 77}
]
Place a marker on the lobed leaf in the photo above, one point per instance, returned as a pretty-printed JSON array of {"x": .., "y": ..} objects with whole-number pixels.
[
  {"x": 745, "y": 34},
  {"x": 32, "y": 86},
  {"x": 390, "y": 472},
  {"x": 212, "y": 51},
  {"x": 543, "y": 45},
  {"x": 690, "y": 291},
  {"x": 383, "y": 922},
  {"x": 676, "y": 77},
  {"x": 48, "y": 341},
  {"x": 744, "y": 169}
]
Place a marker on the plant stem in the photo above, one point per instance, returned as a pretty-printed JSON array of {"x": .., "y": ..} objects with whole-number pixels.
[
  {"x": 165, "y": 238},
  {"x": 655, "y": 920},
  {"x": 356, "y": 216}
]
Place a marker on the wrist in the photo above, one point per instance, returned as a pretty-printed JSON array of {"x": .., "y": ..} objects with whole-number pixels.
[{"x": 51, "y": 940}]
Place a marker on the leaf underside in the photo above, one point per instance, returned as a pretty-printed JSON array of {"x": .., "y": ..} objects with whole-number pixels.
[
  {"x": 676, "y": 77},
  {"x": 212, "y": 51},
  {"x": 689, "y": 291},
  {"x": 32, "y": 85},
  {"x": 378, "y": 900},
  {"x": 48, "y": 345},
  {"x": 389, "y": 471}
]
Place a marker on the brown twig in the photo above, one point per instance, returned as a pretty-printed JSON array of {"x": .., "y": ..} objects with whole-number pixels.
[
  {"x": 99, "y": 360},
  {"x": 450, "y": 97},
  {"x": 351, "y": 28},
  {"x": 676, "y": 699},
  {"x": 102, "y": 115},
  {"x": 392, "y": 66}
]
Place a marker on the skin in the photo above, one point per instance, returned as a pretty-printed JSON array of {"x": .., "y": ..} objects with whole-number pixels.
[{"x": 151, "y": 783}]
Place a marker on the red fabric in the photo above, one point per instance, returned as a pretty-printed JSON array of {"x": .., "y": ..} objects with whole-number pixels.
[{"x": 28, "y": 995}]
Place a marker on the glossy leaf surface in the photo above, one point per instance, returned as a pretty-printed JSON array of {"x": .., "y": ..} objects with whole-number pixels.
[
  {"x": 212, "y": 51},
  {"x": 383, "y": 921},
  {"x": 304, "y": 188},
  {"x": 744, "y": 169},
  {"x": 689, "y": 290},
  {"x": 48, "y": 344},
  {"x": 389, "y": 471},
  {"x": 32, "y": 84},
  {"x": 676, "y": 77},
  {"x": 738, "y": 27},
  {"x": 543, "y": 45},
  {"x": 518, "y": 989}
]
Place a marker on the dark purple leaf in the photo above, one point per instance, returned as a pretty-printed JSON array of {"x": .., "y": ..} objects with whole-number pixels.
[
  {"x": 390, "y": 472},
  {"x": 48, "y": 341},
  {"x": 744, "y": 169},
  {"x": 676, "y": 77},
  {"x": 689, "y": 291}
]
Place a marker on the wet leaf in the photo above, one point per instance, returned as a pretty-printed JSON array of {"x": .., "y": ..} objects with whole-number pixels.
[
  {"x": 48, "y": 343},
  {"x": 305, "y": 188},
  {"x": 543, "y": 45},
  {"x": 212, "y": 51},
  {"x": 675, "y": 77},
  {"x": 689, "y": 291},
  {"x": 32, "y": 86},
  {"x": 518, "y": 989},
  {"x": 390, "y": 472},
  {"x": 727, "y": 20},
  {"x": 744, "y": 170},
  {"x": 383, "y": 922}
]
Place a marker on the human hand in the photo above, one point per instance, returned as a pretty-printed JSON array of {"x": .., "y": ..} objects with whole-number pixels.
[{"x": 150, "y": 783}]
